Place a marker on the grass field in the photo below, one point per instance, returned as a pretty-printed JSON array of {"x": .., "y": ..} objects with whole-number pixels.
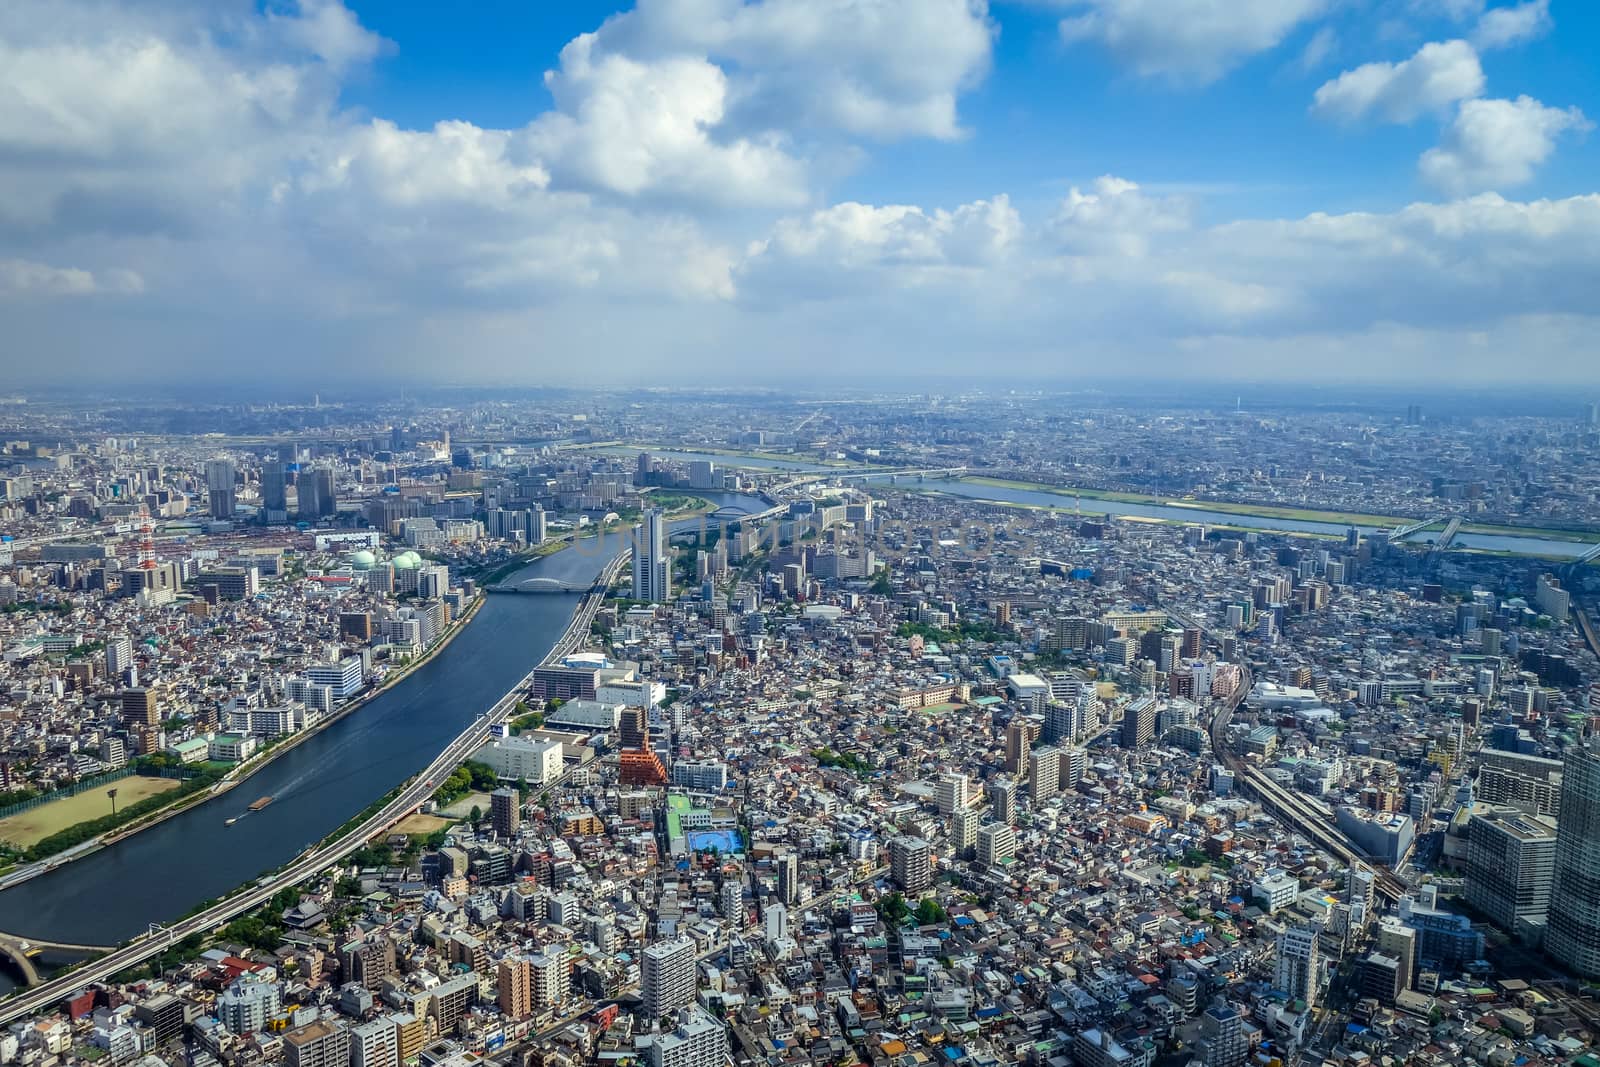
[{"x": 31, "y": 827}]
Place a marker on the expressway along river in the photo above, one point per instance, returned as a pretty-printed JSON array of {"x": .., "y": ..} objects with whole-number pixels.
[{"x": 163, "y": 872}]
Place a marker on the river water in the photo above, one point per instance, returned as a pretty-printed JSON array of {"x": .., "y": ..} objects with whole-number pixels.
[
  {"x": 163, "y": 872},
  {"x": 1497, "y": 542}
]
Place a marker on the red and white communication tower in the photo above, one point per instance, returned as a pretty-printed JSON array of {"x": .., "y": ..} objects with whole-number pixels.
[{"x": 147, "y": 539}]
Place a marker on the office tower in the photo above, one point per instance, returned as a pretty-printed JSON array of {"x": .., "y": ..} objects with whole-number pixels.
[
  {"x": 538, "y": 526},
  {"x": 667, "y": 977},
  {"x": 274, "y": 487},
  {"x": 952, "y": 793},
  {"x": 788, "y": 864},
  {"x": 141, "y": 706},
  {"x": 911, "y": 864},
  {"x": 1413, "y": 414},
  {"x": 963, "y": 830},
  {"x": 1044, "y": 774},
  {"x": 1399, "y": 942},
  {"x": 1296, "y": 972},
  {"x": 221, "y": 493},
  {"x": 1003, "y": 799},
  {"x": 1222, "y": 1030},
  {"x": 698, "y": 1040},
  {"x": 375, "y": 1044},
  {"x": 1591, "y": 415},
  {"x": 1511, "y": 865},
  {"x": 119, "y": 656},
  {"x": 319, "y": 1044},
  {"x": 505, "y": 812},
  {"x": 316, "y": 499},
  {"x": 997, "y": 843},
  {"x": 514, "y": 980},
  {"x": 652, "y": 564},
  {"x": 1573, "y": 938}
]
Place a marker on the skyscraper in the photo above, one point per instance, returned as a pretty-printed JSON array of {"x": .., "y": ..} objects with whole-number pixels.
[
  {"x": 788, "y": 864},
  {"x": 274, "y": 487},
  {"x": 1511, "y": 863},
  {"x": 219, "y": 483},
  {"x": 1573, "y": 938},
  {"x": 1296, "y": 971},
  {"x": 667, "y": 977},
  {"x": 652, "y": 567}
]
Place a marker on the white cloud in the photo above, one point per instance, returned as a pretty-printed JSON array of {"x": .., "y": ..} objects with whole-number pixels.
[
  {"x": 1502, "y": 27},
  {"x": 632, "y": 127},
  {"x": 1454, "y": 10},
  {"x": 330, "y": 31},
  {"x": 1440, "y": 74},
  {"x": 1190, "y": 41},
  {"x": 21, "y": 277},
  {"x": 882, "y": 69},
  {"x": 1493, "y": 144}
]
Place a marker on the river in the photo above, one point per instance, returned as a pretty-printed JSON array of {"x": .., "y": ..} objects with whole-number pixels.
[
  {"x": 1495, "y": 542},
  {"x": 163, "y": 872}
]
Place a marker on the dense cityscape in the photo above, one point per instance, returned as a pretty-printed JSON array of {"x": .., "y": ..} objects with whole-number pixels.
[{"x": 1049, "y": 728}]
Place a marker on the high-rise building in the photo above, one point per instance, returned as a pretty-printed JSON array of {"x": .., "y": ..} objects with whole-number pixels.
[
  {"x": 141, "y": 706},
  {"x": 318, "y": 1044},
  {"x": 911, "y": 864},
  {"x": 1511, "y": 865},
  {"x": 1573, "y": 938},
  {"x": 375, "y": 1044},
  {"x": 1398, "y": 942},
  {"x": 1553, "y": 600},
  {"x": 514, "y": 983},
  {"x": 552, "y": 978},
  {"x": 652, "y": 563},
  {"x": 1044, "y": 773},
  {"x": 221, "y": 493},
  {"x": 1139, "y": 723},
  {"x": 316, "y": 495},
  {"x": 119, "y": 656},
  {"x": 788, "y": 864},
  {"x": 505, "y": 811},
  {"x": 1296, "y": 972},
  {"x": 1017, "y": 741},
  {"x": 1003, "y": 799},
  {"x": 964, "y": 830},
  {"x": 1222, "y": 1030},
  {"x": 698, "y": 1040},
  {"x": 952, "y": 793},
  {"x": 996, "y": 844},
  {"x": 274, "y": 488},
  {"x": 667, "y": 977}
]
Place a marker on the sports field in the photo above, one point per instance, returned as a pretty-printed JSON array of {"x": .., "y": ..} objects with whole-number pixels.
[{"x": 30, "y": 827}]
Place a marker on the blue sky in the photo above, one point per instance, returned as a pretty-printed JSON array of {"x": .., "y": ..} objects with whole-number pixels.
[{"x": 523, "y": 192}]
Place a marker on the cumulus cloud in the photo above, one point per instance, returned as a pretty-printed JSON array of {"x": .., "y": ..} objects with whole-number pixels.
[
  {"x": 1494, "y": 144},
  {"x": 886, "y": 69},
  {"x": 1438, "y": 75},
  {"x": 1503, "y": 27},
  {"x": 630, "y": 127},
  {"x": 1189, "y": 41}
]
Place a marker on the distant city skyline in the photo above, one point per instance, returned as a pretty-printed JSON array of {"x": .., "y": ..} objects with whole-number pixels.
[{"x": 758, "y": 191}]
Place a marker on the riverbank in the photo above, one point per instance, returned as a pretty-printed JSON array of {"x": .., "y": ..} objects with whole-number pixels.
[
  {"x": 1288, "y": 514},
  {"x": 249, "y": 769}
]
